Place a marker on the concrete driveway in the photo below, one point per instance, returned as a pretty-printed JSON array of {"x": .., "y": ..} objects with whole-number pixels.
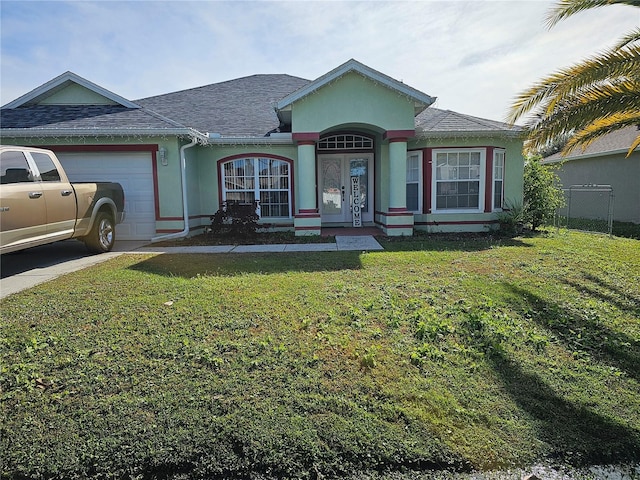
[{"x": 27, "y": 268}]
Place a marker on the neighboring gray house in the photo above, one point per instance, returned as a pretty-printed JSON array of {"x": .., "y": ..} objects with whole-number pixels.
[{"x": 603, "y": 163}]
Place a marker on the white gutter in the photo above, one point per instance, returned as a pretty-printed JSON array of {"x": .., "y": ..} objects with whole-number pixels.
[
  {"x": 273, "y": 139},
  {"x": 185, "y": 205},
  {"x": 422, "y": 134},
  {"x": 93, "y": 132}
]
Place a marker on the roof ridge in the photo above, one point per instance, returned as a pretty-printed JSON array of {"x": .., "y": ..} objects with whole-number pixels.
[
  {"x": 441, "y": 116},
  {"x": 193, "y": 89}
]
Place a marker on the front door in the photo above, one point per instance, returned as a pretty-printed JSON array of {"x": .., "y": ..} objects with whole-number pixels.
[{"x": 336, "y": 174}]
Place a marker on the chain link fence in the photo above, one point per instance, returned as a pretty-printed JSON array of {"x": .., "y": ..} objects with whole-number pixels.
[{"x": 587, "y": 207}]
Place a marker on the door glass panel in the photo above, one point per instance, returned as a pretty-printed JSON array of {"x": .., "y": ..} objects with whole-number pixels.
[
  {"x": 331, "y": 186},
  {"x": 48, "y": 170},
  {"x": 14, "y": 168},
  {"x": 360, "y": 167}
]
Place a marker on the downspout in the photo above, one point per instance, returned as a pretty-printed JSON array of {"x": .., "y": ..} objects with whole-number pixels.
[{"x": 185, "y": 208}]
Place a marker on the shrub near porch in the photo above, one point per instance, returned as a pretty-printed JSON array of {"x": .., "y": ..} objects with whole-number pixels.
[{"x": 435, "y": 354}]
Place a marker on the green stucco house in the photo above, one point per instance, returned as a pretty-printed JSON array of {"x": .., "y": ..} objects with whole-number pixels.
[{"x": 351, "y": 148}]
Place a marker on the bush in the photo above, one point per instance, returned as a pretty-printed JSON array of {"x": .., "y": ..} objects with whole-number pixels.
[
  {"x": 542, "y": 193},
  {"x": 512, "y": 219},
  {"x": 235, "y": 219}
]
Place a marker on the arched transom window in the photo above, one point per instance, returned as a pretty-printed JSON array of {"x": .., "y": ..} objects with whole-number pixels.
[
  {"x": 345, "y": 142},
  {"x": 257, "y": 179}
]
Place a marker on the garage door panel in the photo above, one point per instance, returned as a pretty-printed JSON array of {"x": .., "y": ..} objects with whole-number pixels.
[{"x": 133, "y": 170}]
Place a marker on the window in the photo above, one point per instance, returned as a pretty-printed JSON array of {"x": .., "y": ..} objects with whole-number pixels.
[
  {"x": 345, "y": 142},
  {"x": 414, "y": 181},
  {"x": 265, "y": 180},
  {"x": 14, "y": 168},
  {"x": 458, "y": 180},
  {"x": 48, "y": 170},
  {"x": 498, "y": 179}
]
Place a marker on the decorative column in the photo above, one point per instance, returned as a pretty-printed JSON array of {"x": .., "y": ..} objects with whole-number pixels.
[
  {"x": 397, "y": 220},
  {"x": 307, "y": 219}
]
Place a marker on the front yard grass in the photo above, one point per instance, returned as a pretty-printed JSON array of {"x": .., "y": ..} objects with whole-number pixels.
[{"x": 436, "y": 354}]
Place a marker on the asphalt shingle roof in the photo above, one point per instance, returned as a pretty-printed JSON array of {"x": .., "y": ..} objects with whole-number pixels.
[
  {"x": 81, "y": 117},
  {"x": 240, "y": 107},
  {"x": 436, "y": 121}
]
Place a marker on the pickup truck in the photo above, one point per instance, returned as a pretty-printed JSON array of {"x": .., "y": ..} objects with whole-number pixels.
[{"x": 38, "y": 204}]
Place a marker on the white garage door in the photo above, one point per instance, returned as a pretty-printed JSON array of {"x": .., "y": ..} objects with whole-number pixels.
[{"x": 132, "y": 170}]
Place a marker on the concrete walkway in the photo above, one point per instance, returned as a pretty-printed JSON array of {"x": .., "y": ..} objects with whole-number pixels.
[
  {"x": 343, "y": 243},
  {"x": 31, "y": 267}
]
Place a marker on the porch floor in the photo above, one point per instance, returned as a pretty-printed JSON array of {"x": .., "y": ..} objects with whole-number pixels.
[{"x": 350, "y": 231}]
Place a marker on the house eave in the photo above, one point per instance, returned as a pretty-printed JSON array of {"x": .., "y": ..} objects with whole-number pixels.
[
  {"x": 468, "y": 134},
  {"x": 86, "y": 132}
]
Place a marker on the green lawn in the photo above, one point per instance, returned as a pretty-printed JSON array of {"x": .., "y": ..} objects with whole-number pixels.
[{"x": 436, "y": 354}]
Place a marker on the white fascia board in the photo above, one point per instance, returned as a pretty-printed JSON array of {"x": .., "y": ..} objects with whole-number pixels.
[
  {"x": 73, "y": 78},
  {"x": 355, "y": 66}
]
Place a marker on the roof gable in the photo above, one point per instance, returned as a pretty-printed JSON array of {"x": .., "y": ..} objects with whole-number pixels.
[
  {"x": 70, "y": 89},
  {"x": 421, "y": 100}
]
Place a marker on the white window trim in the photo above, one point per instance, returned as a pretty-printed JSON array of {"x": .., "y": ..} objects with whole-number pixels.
[
  {"x": 419, "y": 182},
  {"x": 256, "y": 183},
  {"x": 482, "y": 180},
  {"x": 494, "y": 179}
]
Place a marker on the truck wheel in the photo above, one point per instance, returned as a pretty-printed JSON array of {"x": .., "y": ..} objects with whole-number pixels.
[{"x": 103, "y": 234}]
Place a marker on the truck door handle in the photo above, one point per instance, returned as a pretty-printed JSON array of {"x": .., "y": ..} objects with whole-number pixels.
[
  {"x": 66, "y": 193},
  {"x": 35, "y": 194}
]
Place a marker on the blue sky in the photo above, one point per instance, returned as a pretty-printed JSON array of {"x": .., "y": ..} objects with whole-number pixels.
[{"x": 474, "y": 56}]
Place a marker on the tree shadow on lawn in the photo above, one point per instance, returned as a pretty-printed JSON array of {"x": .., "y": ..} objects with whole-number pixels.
[
  {"x": 574, "y": 434},
  {"x": 582, "y": 331},
  {"x": 221, "y": 265},
  {"x": 608, "y": 292}
]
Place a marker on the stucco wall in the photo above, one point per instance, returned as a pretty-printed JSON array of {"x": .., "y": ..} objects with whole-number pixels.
[
  {"x": 75, "y": 94},
  {"x": 623, "y": 174},
  {"x": 353, "y": 99}
]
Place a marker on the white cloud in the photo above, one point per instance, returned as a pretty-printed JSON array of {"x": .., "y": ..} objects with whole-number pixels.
[{"x": 474, "y": 56}]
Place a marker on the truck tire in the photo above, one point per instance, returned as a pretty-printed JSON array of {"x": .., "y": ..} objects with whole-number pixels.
[{"x": 102, "y": 235}]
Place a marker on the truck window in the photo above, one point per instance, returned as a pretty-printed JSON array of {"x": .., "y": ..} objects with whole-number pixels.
[
  {"x": 48, "y": 170},
  {"x": 14, "y": 168}
]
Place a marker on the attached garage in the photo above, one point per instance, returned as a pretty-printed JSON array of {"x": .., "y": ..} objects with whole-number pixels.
[{"x": 134, "y": 171}]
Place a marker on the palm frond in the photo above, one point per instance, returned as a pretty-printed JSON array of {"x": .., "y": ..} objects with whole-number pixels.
[
  {"x": 596, "y": 101},
  {"x": 632, "y": 37},
  {"x": 603, "y": 127},
  {"x": 619, "y": 100},
  {"x": 634, "y": 145},
  {"x": 543, "y": 96},
  {"x": 567, "y": 8}
]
